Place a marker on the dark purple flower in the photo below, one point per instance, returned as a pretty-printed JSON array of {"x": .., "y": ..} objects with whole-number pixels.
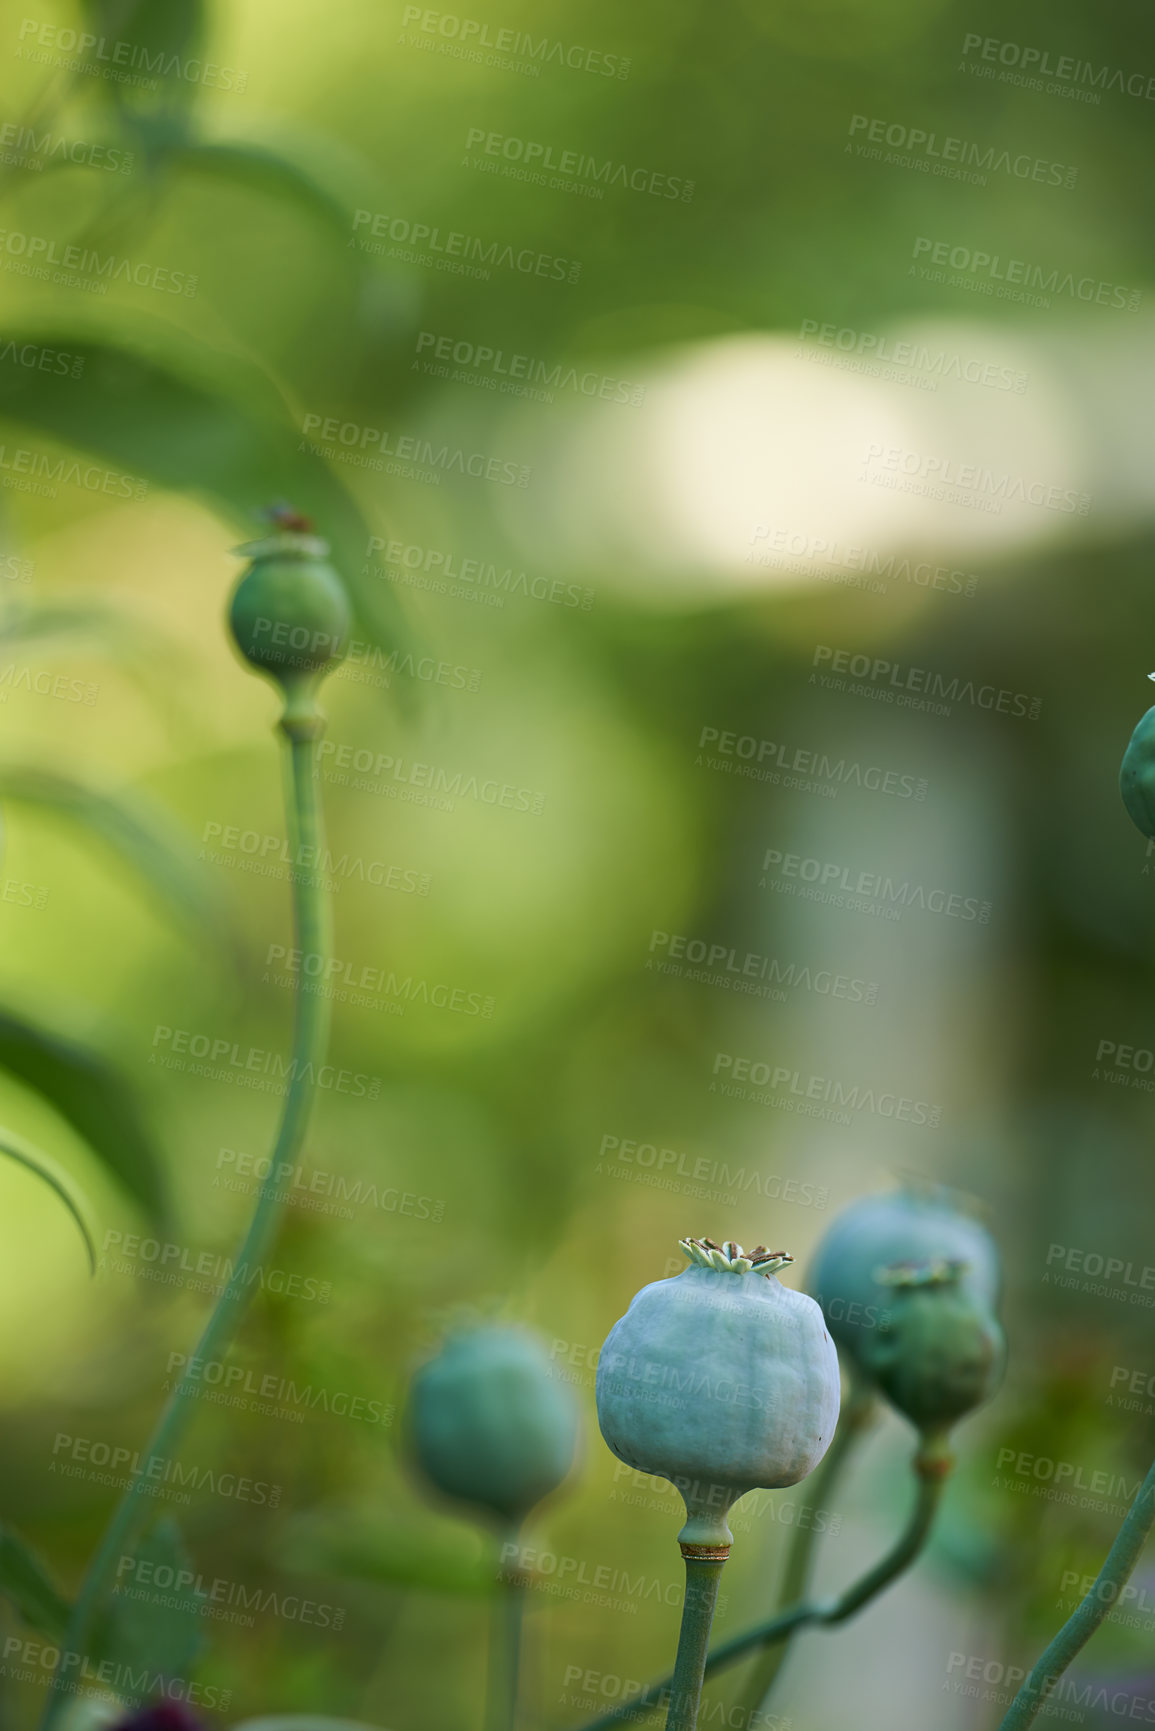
[{"x": 160, "y": 1716}]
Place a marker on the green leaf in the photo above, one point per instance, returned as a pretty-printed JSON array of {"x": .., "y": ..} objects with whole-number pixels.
[
  {"x": 218, "y": 428},
  {"x": 132, "y": 827},
  {"x": 25, "y": 1580},
  {"x": 419, "y": 1554},
  {"x": 266, "y": 171},
  {"x": 176, "y": 27},
  {"x": 17, "y": 1149},
  {"x": 152, "y": 1629},
  {"x": 94, "y": 1099}
]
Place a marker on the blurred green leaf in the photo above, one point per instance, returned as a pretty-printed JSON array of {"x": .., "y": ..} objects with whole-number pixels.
[
  {"x": 304, "y": 1722},
  {"x": 90, "y": 1095},
  {"x": 162, "y": 1630},
  {"x": 418, "y": 1554},
  {"x": 266, "y": 171},
  {"x": 19, "y": 1151},
  {"x": 25, "y": 1580},
  {"x": 176, "y": 27},
  {"x": 131, "y": 827},
  {"x": 233, "y": 442}
]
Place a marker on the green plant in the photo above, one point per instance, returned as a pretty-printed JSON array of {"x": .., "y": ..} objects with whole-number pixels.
[
  {"x": 720, "y": 1380},
  {"x": 285, "y": 603}
]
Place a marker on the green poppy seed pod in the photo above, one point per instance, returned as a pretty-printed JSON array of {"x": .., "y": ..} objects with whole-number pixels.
[
  {"x": 939, "y": 1352},
  {"x": 489, "y": 1423},
  {"x": 290, "y": 616},
  {"x": 905, "y": 1225},
  {"x": 720, "y": 1380},
  {"x": 1137, "y": 776}
]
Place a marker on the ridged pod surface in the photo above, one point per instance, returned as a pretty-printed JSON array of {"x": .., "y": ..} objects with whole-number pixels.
[
  {"x": 1137, "y": 776},
  {"x": 720, "y": 1380},
  {"x": 489, "y": 1424}
]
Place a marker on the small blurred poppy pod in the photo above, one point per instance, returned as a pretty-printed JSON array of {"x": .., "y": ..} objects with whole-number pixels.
[
  {"x": 290, "y": 615},
  {"x": 937, "y": 1353},
  {"x": 907, "y": 1225},
  {"x": 489, "y": 1423},
  {"x": 1137, "y": 776}
]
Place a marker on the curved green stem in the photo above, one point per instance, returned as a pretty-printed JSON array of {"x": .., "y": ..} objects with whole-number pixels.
[
  {"x": 1087, "y": 1616},
  {"x": 310, "y": 1037},
  {"x": 931, "y": 1464},
  {"x": 504, "y": 1675},
  {"x": 856, "y": 1415},
  {"x": 703, "y": 1577}
]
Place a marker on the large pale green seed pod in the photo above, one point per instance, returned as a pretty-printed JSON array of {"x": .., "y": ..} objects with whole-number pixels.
[
  {"x": 489, "y": 1423},
  {"x": 939, "y": 1352},
  {"x": 907, "y": 1225},
  {"x": 720, "y": 1380},
  {"x": 1137, "y": 776}
]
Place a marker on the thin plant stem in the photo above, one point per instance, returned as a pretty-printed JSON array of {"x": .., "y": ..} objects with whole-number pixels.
[
  {"x": 703, "y": 1577},
  {"x": 311, "y": 926},
  {"x": 856, "y": 1416},
  {"x": 504, "y": 1676},
  {"x": 931, "y": 1465},
  {"x": 1090, "y": 1612}
]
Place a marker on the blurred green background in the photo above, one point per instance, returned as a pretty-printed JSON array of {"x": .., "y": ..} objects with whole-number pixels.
[{"x": 595, "y": 626}]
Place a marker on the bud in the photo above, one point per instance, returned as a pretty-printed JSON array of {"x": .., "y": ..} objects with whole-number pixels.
[
  {"x": 939, "y": 1352},
  {"x": 290, "y": 616},
  {"x": 490, "y": 1425},
  {"x": 905, "y": 1225},
  {"x": 720, "y": 1380}
]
